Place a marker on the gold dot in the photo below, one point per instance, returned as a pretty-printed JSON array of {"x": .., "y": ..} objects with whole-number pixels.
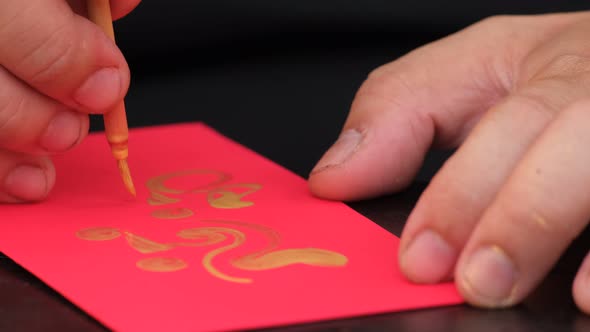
[
  {"x": 175, "y": 213},
  {"x": 162, "y": 264},
  {"x": 99, "y": 234}
]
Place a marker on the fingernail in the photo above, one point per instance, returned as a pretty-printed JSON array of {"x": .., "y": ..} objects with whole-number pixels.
[
  {"x": 490, "y": 275},
  {"x": 101, "y": 90},
  {"x": 28, "y": 183},
  {"x": 428, "y": 258},
  {"x": 340, "y": 151},
  {"x": 62, "y": 133}
]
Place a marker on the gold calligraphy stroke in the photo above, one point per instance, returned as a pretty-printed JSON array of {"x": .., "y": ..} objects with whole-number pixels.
[
  {"x": 272, "y": 258},
  {"x": 173, "y": 213},
  {"x": 220, "y": 195},
  {"x": 143, "y": 244},
  {"x": 224, "y": 198},
  {"x": 268, "y": 258},
  {"x": 159, "y": 189}
]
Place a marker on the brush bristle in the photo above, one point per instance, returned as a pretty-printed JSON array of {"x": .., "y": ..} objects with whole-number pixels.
[{"x": 126, "y": 176}]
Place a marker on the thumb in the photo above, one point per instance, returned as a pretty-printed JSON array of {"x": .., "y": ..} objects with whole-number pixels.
[{"x": 432, "y": 96}]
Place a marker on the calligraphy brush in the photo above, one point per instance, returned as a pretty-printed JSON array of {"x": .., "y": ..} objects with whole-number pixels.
[{"x": 115, "y": 121}]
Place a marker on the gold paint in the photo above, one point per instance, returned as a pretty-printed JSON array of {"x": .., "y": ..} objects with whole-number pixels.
[
  {"x": 541, "y": 221},
  {"x": 147, "y": 246},
  {"x": 160, "y": 199},
  {"x": 498, "y": 250},
  {"x": 98, "y": 234},
  {"x": 157, "y": 183},
  {"x": 282, "y": 258},
  {"x": 208, "y": 235},
  {"x": 269, "y": 257},
  {"x": 173, "y": 213},
  {"x": 512, "y": 298},
  {"x": 215, "y": 235},
  {"x": 126, "y": 175},
  {"x": 219, "y": 196},
  {"x": 158, "y": 189},
  {"x": 162, "y": 264},
  {"x": 272, "y": 235},
  {"x": 222, "y": 198},
  {"x": 144, "y": 245}
]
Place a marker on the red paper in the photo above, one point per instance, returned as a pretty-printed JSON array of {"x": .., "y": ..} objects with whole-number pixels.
[{"x": 218, "y": 238}]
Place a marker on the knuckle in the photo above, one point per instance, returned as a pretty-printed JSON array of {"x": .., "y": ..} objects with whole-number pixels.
[
  {"x": 388, "y": 85},
  {"x": 558, "y": 85},
  {"x": 44, "y": 38},
  {"x": 566, "y": 67},
  {"x": 495, "y": 20},
  {"x": 14, "y": 18},
  {"x": 51, "y": 57},
  {"x": 379, "y": 71},
  {"x": 499, "y": 20}
]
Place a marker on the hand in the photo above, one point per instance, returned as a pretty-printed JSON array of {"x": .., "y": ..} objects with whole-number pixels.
[
  {"x": 56, "y": 67},
  {"x": 513, "y": 94}
]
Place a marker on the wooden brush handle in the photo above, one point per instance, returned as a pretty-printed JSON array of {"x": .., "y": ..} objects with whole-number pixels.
[
  {"x": 99, "y": 12},
  {"x": 115, "y": 121}
]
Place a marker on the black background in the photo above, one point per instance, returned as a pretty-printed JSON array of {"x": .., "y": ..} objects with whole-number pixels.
[{"x": 279, "y": 76}]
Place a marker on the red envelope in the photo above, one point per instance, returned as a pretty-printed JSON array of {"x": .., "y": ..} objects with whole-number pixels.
[{"x": 218, "y": 238}]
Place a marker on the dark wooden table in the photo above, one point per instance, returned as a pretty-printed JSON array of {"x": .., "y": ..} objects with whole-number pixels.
[{"x": 26, "y": 304}]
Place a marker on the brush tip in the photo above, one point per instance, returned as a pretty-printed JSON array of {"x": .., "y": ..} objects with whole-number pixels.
[{"x": 126, "y": 176}]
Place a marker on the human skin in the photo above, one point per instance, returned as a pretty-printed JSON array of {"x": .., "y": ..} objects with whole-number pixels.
[
  {"x": 56, "y": 67},
  {"x": 512, "y": 95}
]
